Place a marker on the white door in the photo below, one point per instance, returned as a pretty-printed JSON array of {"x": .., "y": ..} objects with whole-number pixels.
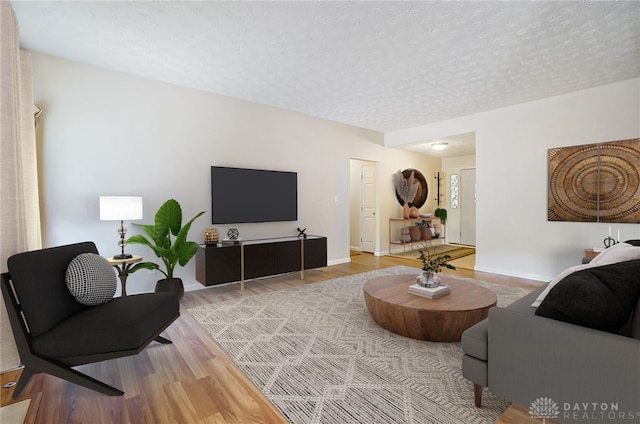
[
  {"x": 368, "y": 208},
  {"x": 468, "y": 207}
]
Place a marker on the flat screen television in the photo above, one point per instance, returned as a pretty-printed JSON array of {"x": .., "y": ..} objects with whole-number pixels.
[{"x": 241, "y": 195}]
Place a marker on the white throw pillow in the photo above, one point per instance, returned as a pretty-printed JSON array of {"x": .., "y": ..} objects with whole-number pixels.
[
  {"x": 617, "y": 253},
  {"x": 91, "y": 279}
]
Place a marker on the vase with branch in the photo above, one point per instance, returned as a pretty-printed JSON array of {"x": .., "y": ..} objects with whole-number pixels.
[
  {"x": 431, "y": 266},
  {"x": 406, "y": 190}
]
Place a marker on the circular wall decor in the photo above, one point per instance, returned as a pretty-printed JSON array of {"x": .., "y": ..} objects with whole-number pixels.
[
  {"x": 597, "y": 182},
  {"x": 423, "y": 190}
]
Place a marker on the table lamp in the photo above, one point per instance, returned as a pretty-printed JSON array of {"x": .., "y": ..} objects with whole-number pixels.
[{"x": 121, "y": 208}]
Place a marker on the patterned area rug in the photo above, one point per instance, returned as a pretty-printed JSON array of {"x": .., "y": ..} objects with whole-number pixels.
[{"x": 316, "y": 353}]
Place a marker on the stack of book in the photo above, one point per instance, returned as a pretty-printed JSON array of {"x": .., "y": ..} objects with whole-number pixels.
[
  {"x": 231, "y": 242},
  {"x": 430, "y": 293}
]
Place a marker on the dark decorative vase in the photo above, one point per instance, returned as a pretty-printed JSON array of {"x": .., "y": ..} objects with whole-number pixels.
[{"x": 173, "y": 285}]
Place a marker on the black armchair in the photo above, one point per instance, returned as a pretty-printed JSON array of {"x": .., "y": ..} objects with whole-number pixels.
[{"x": 54, "y": 332}]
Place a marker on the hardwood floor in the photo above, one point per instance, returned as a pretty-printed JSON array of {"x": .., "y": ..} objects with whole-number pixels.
[
  {"x": 191, "y": 380},
  {"x": 517, "y": 414}
]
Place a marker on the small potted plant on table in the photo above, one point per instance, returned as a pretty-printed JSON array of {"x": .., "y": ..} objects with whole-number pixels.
[{"x": 431, "y": 266}]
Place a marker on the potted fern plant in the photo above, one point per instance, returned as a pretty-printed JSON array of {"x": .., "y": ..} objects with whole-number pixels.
[
  {"x": 172, "y": 252},
  {"x": 442, "y": 214}
]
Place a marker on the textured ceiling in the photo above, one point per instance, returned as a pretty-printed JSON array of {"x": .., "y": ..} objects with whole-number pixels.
[
  {"x": 457, "y": 145},
  {"x": 384, "y": 66}
]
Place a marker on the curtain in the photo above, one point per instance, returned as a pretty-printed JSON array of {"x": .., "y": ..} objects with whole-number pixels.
[{"x": 19, "y": 200}]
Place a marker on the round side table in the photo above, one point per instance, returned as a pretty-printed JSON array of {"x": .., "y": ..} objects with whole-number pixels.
[{"x": 123, "y": 266}]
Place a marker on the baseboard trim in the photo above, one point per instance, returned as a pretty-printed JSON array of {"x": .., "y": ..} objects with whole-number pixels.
[
  {"x": 536, "y": 277},
  {"x": 339, "y": 261}
]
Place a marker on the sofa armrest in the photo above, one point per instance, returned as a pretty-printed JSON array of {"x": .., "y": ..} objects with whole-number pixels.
[{"x": 533, "y": 357}]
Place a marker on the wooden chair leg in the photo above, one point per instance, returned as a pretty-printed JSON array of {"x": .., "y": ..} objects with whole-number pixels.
[
  {"x": 162, "y": 340},
  {"x": 477, "y": 395},
  {"x": 60, "y": 370},
  {"x": 84, "y": 380},
  {"x": 25, "y": 377}
]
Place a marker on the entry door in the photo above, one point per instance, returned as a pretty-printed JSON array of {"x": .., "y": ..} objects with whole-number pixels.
[
  {"x": 368, "y": 208},
  {"x": 468, "y": 207}
]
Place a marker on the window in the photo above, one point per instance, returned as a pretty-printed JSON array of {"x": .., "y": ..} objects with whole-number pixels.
[{"x": 454, "y": 191}]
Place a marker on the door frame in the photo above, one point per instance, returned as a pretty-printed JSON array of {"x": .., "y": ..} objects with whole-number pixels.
[
  {"x": 357, "y": 207},
  {"x": 454, "y": 218},
  {"x": 464, "y": 210}
]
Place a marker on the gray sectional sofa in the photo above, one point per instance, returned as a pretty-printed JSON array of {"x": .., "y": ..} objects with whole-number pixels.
[{"x": 582, "y": 373}]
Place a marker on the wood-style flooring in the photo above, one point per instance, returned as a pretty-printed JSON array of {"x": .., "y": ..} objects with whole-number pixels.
[{"x": 191, "y": 380}]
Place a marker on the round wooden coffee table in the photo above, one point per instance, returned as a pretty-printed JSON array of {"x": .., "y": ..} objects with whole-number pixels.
[{"x": 438, "y": 320}]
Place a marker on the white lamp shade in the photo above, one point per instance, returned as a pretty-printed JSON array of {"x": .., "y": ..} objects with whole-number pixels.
[{"x": 120, "y": 208}]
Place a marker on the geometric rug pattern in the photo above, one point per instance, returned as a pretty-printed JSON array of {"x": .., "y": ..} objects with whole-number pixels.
[{"x": 316, "y": 353}]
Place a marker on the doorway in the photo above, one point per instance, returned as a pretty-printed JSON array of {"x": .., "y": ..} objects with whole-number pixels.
[
  {"x": 364, "y": 222},
  {"x": 461, "y": 221},
  {"x": 468, "y": 207}
]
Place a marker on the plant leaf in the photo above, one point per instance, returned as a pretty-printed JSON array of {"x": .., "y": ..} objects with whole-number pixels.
[
  {"x": 190, "y": 248},
  {"x": 143, "y": 265},
  {"x": 185, "y": 249},
  {"x": 168, "y": 219}
]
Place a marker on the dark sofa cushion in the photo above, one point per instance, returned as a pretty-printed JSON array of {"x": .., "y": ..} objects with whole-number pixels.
[
  {"x": 602, "y": 297},
  {"x": 124, "y": 323}
]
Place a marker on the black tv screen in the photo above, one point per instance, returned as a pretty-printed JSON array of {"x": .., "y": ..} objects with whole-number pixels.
[{"x": 253, "y": 195}]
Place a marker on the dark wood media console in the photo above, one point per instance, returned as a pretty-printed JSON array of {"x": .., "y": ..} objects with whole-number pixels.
[{"x": 259, "y": 258}]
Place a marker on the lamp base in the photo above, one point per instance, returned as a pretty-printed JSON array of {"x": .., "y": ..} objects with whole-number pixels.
[{"x": 123, "y": 256}]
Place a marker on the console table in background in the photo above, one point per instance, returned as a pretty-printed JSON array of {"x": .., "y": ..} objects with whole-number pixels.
[
  {"x": 590, "y": 254},
  {"x": 398, "y": 224},
  {"x": 259, "y": 258}
]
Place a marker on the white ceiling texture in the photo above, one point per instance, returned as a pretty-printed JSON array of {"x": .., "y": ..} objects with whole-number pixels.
[{"x": 379, "y": 65}]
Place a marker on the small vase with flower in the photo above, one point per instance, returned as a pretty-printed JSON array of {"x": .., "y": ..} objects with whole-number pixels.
[{"x": 431, "y": 266}]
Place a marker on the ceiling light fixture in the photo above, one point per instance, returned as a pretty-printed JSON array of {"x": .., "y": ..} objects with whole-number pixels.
[{"x": 440, "y": 146}]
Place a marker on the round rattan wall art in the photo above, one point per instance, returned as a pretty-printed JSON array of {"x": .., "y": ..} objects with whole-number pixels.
[
  {"x": 596, "y": 182},
  {"x": 423, "y": 189}
]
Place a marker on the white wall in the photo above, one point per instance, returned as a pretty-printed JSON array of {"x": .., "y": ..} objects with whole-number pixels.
[
  {"x": 106, "y": 133},
  {"x": 458, "y": 162},
  {"x": 513, "y": 234}
]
